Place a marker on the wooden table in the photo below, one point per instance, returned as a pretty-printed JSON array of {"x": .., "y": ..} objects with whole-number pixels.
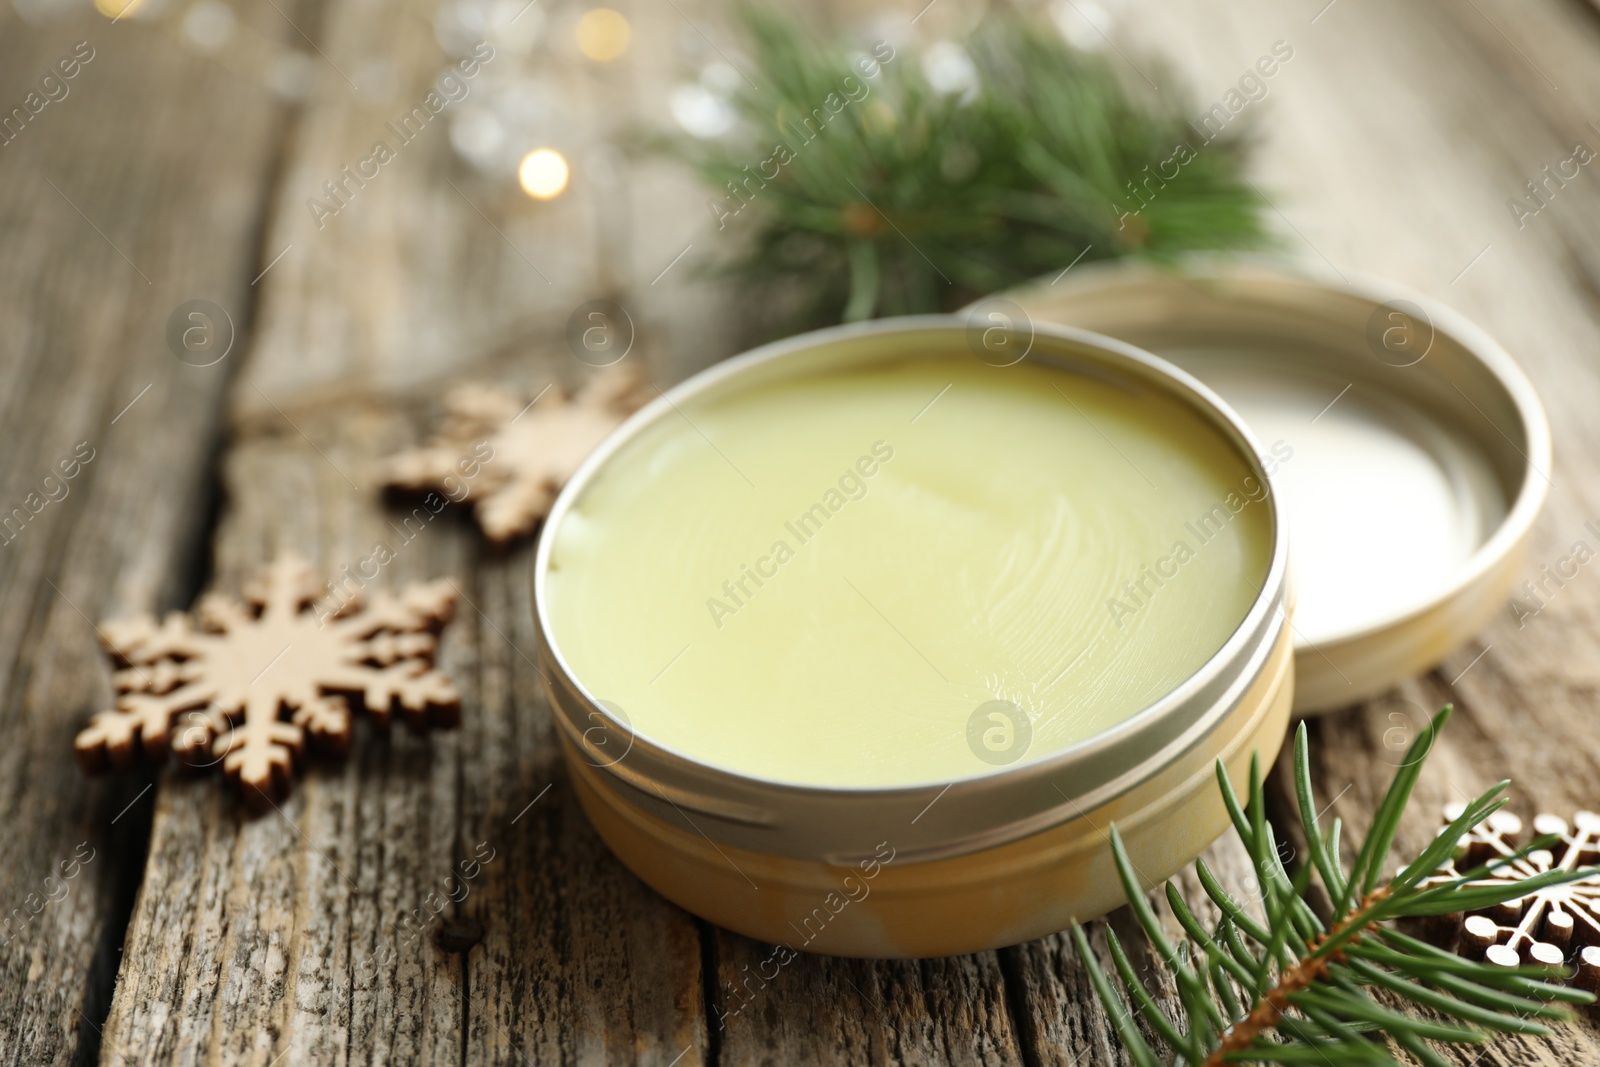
[{"x": 1391, "y": 143}]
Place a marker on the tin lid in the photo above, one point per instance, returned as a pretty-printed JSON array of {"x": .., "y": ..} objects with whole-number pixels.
[{"x": 1409, "y": 451}]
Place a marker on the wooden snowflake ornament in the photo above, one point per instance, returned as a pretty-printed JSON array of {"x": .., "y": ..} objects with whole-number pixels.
[
  {"x": 247, "y": 685},
  {"x": 1550, "y": 927},
  {"x": 519, "y": 454}
]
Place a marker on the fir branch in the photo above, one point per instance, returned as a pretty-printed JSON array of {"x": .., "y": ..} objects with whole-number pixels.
[
  {"x": 853, "y": 187},
  {"x": 1278, "y": 999},
  {"x": 1291, "y": 990}
]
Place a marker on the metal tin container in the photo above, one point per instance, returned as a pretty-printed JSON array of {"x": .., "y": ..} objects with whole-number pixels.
[
  {"x": 942, "y": 867},
  {"x": 1421, "y": 452}
]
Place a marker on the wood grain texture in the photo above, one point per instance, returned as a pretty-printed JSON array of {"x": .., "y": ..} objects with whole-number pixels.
[
  {"x": 310, "y": 933},
  {"x": 581, "y": 963},
  {"x": 256, "y": 936},
  {"x": 822, "y": 1010},
  {"x": 1391, "y": 143},
  {"x": 115, "y": 208}
]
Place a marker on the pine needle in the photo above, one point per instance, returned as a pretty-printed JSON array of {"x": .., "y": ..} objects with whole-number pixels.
[
  {"x": 1306, "y": 991},
  {"x": 853, "y": 186}
]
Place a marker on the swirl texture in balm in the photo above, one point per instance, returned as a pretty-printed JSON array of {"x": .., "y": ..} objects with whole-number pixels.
[{"x": 907, "y": 572}]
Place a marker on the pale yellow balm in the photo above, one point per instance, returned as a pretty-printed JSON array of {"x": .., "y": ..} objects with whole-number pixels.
[{"x": 831, "y": 580}]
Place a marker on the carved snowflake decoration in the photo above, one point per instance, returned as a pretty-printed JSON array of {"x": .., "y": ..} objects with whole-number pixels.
[
  {"x": 509, "y": 457},
  {"x": 246, "y": 685},
  {"x": 1549, "y": 926}
]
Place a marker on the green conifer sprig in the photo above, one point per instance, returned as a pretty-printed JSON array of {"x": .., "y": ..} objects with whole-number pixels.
[
  {"x": 887, "y": 195},
  {"x": 1290, "y": 988}
]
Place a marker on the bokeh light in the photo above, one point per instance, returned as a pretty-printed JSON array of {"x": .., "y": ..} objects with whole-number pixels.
[
  {"x": 543, "y": 173},
  {"x": 603, "y": 34}
]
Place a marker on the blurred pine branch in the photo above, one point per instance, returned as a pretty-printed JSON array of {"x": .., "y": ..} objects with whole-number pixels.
[{"x": 852, "y": 186}]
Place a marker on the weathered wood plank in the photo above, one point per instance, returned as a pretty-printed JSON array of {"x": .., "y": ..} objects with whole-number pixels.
[
  {"x": 822, "y": 1010},
  {"x": 256, "y": 937},
  {"x": 580, "y": 962},
  {"x": 112, "y": 217},
  {"x": 294, "y": 944}
]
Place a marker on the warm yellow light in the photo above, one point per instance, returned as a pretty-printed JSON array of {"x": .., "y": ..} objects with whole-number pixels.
[
  {"x": 603, "y": 34},
  {"x": 543, "y": 174},
  {"x": 116, "y": 9}
]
